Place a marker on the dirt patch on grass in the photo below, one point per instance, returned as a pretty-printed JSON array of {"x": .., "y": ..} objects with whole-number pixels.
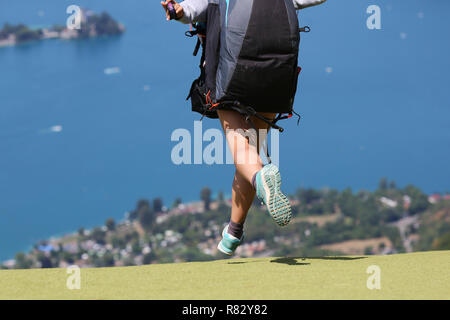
[
  {"x": 320, "y": 220},
  {"x": 357, "y": 247},
  {"x": 441, "y": 215}
]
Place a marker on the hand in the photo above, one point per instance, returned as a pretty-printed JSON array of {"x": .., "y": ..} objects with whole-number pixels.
[{"x": 176, "y": 6}]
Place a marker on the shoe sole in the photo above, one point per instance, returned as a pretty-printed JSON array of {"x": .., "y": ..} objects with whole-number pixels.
[
  {"x": 277, "y": 203},
  {"x": 219, "y": 247}
]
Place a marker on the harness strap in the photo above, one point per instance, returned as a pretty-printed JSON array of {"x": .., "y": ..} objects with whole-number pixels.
[
  {"x": 197, "y": 47},
  {"x": 248, "y": 111}
]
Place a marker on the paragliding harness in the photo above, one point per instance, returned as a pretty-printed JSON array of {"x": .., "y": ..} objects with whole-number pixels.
[{"x": 202, "y": 98}]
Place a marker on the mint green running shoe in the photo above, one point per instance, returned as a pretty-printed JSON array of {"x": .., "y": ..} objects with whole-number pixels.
[
  {"x": 229, "y": 243},
  {"x": 268, "y": 183}
]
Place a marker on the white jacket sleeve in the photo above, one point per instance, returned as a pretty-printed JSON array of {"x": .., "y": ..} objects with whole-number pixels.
[
  {"x": 194, "y": 11},
  {"x": 302, "y": 4}
]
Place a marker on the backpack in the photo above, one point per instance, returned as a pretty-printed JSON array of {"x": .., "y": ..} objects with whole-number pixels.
[{"x": 249, "y": 59}]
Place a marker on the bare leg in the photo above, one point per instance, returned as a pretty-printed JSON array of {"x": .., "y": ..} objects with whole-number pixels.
[
  {"x": 246, "y": 159},
  {"x": 242, "y": 195}
]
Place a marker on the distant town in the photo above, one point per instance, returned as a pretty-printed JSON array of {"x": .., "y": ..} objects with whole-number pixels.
[
  {"x": 92, "y": 25},
  {"x": 326, "y": 222}
]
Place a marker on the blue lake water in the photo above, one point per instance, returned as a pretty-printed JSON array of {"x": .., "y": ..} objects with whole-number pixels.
[{"x": 382, "y": 109}]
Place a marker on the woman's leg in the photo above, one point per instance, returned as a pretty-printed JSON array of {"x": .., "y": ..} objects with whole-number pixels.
[{"x": 244, "y": 147}]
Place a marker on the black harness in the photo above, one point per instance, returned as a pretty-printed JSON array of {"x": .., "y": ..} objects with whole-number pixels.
[{"x": 202, "y": 99}]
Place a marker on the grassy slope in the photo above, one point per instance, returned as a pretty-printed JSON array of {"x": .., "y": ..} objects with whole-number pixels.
[{"x": 422, "y": 275}]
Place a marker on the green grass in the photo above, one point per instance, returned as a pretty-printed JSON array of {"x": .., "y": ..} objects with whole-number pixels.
[{"x": 421, "y": 275}]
